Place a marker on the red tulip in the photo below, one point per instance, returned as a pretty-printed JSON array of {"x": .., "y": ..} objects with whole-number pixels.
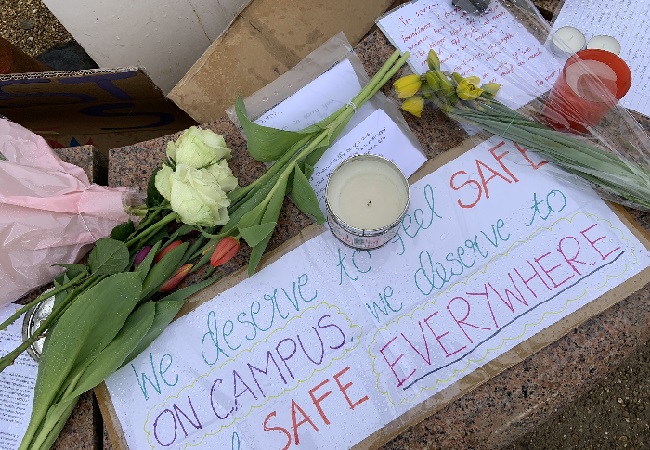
[
  {"x": 225, "y": 250},
  {"x": 166, "y": 250},
  {"x": 179, "y": 276}
]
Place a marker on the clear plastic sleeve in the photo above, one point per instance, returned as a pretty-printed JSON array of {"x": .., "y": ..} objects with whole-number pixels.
[{"x": 555, "y": 97}]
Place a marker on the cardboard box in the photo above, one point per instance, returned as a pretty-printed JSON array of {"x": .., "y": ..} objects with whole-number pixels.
[
  {"x": 165, "y": 37},
  {"x": 105, "y": 108},
  {"x": 268, "y": 38}
]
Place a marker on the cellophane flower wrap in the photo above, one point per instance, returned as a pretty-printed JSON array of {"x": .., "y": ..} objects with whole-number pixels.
[
  {"x": 496, "y": 68},
  {"x": 50, "y": 213}
]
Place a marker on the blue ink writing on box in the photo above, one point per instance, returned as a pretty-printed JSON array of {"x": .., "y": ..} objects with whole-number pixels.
[
  {"x": 361, "y": 260},
  {"x": 423, "y": 219}
]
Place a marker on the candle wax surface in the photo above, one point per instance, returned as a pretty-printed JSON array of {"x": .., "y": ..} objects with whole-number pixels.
[
  {"x": 603, "y": 42},
  {"x": 569, "y": 40},
  {"x": 367, "y": 194}
]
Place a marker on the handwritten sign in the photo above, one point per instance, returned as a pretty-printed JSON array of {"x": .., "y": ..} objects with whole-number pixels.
[
  {"x": 493, "y": 46},
  {"x": 328, "y": 344}
]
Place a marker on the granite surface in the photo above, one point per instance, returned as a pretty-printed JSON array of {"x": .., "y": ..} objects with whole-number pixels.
[{"x": 507, "y": 406}]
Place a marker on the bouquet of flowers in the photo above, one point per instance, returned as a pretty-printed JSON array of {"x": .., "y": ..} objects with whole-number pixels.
[
  {"x": 466, "y": 100},
  {"x": 111, "y": 308}
]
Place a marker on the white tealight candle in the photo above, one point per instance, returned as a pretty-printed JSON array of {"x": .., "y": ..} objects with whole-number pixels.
[
  {"x": 568, "y": 40},
  {"x": 367, "y": 192},
  {"x": 603, "y": 42}
]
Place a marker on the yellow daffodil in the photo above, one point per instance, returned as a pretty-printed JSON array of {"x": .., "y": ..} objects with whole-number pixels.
[
  {"x": 414, "y": 105},
  {"x": 468, "y": 89},
  {"x": 408, "y": 85},
  {"x": 433, "y": 61}
]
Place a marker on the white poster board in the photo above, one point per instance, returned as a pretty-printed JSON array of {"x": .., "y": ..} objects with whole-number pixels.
[{"x": 327, "y": 345}]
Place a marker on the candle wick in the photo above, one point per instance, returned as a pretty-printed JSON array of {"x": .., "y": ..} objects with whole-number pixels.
[{"x": 369, "y": 202}]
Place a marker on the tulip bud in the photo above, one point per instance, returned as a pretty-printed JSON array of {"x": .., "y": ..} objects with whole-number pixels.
[
  {"x": 225, "y": 250},
  {"x": 433, "y": 61},
  {"x": 142, "y": 254},
  {"x": 179, "y": 276},
  {"x": 166, "y": 250}
]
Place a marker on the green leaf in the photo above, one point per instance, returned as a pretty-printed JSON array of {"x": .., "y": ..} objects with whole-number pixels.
[
  {"x": 163, "y": 270},
  {"x": 265, "y": 143},
  {"x": 122, "y": 231},
  {"x": 113, "y": 355},
  {"x": 257, "y": 233},
  {"x": 165, "y": 311},
  {"x": 304, "y": 197},
  {"x": 88, "y": 325},
  {"x": 153, "y": 196},
  {"x": 270, "y": 216},
  {"x": 108, "y": 257},
  {"x": 253, "y": 217},
  {"x": 73, "y": 270}
]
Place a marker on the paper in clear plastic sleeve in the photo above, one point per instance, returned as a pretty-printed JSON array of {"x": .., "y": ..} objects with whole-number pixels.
[
  {"x": 511, "y": 44},
  {"x": 50, "y": 213}
]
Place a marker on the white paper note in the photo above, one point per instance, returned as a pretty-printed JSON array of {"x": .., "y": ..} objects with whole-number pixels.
[
  {"x": 625, "y": 20},
  {"x": 16, "y": 384},
  {"x": 377, "y": 135},
  {"x": 369, "y": 131},
  {"x": 493, "y": 46}
]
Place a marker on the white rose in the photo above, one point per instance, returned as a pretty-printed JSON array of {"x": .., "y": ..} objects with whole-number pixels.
[
  {"x": 223, "y": 175},
  {"x": 198, "y": 148},
  {"x": 196, "y": 198},
  {"x": 163, "y": 181}
]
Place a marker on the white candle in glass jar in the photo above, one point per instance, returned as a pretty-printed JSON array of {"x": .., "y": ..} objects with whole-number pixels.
[
  {"x": 604, "y": 42},
  {"x": 568, "y": 40},
  {"x": 367, "y": 192}
]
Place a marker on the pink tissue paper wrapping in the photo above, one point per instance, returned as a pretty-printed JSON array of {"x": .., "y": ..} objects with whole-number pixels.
[{"x": 50, "y": 213}]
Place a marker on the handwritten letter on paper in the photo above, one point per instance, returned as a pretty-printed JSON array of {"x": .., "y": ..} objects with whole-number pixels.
[
  {"x": 492, "y": 46},
  {"x": 329, "y": 344}
]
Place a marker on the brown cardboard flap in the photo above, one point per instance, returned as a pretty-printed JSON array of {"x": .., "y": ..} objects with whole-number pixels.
[
  {"x": 268, "y": 38},
  {"x": 105, "y": 108}
]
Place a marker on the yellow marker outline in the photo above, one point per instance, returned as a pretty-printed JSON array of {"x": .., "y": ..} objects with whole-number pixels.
[
  {"x": 250, "y": 350},
  {"x": 457, "y": 372}
]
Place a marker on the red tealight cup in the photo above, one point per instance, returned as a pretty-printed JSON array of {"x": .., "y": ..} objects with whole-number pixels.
[{"x": 590, "y": 85}]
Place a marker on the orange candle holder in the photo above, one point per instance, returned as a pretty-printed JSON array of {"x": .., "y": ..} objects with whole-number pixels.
[{"x": 589, "y": 86}]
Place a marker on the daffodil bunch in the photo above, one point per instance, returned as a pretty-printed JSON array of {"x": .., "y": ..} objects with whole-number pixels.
[{"x": 466, "y": 100}]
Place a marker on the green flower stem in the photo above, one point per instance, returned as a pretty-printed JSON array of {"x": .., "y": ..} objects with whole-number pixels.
[
  {"x": 44, "y": 296},
  {"x": 243, "y": 192},
  {"x": 58, "y": 310},
  {"x": 607, "y": 171},
  {"x": 52, "y": 419},
  {"x": 151, "y": 230}
]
